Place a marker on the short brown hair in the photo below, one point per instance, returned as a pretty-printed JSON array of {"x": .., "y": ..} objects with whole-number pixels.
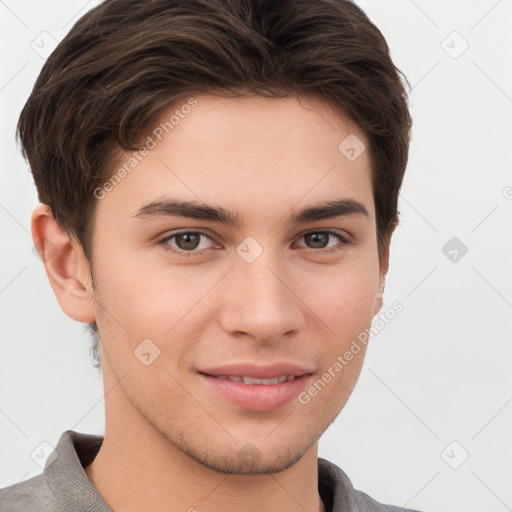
[{"x": 126, "y": 60}]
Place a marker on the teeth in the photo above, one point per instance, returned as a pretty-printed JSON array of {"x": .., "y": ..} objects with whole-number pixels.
[{"x": 254, "y": 380}]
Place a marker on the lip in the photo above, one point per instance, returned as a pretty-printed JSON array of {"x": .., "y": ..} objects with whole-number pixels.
[
  {"x": 256, "y": 397},
  {"x": 259, "y": 372}
]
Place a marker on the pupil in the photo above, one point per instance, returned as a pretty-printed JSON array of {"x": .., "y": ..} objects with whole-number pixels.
[
  {"x": 317, "y": 236},
  {"x": 188, "y": 237}
]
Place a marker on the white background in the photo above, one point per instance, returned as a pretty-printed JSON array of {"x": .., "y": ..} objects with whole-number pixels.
[{"x": 438, "y": 373}]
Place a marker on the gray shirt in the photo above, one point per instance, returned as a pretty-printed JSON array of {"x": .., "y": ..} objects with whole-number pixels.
[{"x": 64, "y": 487}]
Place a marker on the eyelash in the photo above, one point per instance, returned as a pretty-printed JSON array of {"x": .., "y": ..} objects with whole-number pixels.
[{"x": 179, "y": 252}]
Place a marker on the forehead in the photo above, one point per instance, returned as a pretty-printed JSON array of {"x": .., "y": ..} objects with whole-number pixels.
[
  {"x": 275, "y": 122},
  {"x": 249, "y": 153}
]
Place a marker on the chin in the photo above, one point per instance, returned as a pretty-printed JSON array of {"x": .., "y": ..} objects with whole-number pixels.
[{"x": 249, "y": 459}]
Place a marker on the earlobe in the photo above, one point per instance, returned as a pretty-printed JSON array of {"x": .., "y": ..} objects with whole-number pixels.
[{"x": 65, "y": 264}]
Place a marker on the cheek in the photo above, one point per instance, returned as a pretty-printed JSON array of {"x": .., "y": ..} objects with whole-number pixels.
[
  {"x": 145, "y": 301},
  {"x": 347, "y": 311},
  {"x": 133, "y": 290},
  {"x": 345, "y": 298}
]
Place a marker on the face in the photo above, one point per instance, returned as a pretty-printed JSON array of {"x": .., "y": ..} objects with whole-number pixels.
[{"x": 218, "y": 317}]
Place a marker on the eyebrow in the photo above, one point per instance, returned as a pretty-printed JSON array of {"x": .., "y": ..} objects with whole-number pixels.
[{"x": 193, "y": 210}]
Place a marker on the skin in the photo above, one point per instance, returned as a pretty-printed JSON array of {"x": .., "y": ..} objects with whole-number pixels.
[{"x": 171, "y": 443}]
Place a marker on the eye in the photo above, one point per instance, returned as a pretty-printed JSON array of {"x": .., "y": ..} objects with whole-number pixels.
[
  {"x": 187, "y": 241},
  {"x": 320, "y": 239}
]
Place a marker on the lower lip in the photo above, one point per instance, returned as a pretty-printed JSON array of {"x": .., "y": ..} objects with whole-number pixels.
[{"x": 257, "y": 397}]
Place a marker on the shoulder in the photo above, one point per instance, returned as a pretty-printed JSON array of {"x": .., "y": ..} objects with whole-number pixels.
[
  {"x": 63, "y": 485},
  {"x": 368, "y": 504},
  {"x": 335, "y": 485},
  {"x": 31, "y": 495}
]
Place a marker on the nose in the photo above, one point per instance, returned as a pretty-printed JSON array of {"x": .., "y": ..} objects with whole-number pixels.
[{"x": 259, "y": 301}]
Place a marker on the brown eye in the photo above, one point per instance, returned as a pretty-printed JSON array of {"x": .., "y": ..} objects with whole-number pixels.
[
  {"x": 318, "y": 241},
  {"x": 186, "y": 243}
]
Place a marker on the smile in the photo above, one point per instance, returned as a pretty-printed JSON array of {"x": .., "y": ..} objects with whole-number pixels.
[{"x": 253, "y": 380}]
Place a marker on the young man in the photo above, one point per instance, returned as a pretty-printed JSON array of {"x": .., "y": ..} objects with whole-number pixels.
[{"x": 218, "y": 184}]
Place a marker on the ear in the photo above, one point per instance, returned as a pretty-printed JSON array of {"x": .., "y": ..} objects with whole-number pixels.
[
  {"x": 383, "y": 271},
  {"x": 66, "y": 266}
]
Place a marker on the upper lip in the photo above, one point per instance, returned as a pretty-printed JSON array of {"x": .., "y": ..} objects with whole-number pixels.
[{"x": 259, "y": 372}]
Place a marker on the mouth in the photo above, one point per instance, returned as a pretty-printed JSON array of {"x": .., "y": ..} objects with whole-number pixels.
[
  {"x": 256, "y": 388},
  {"x": 251, "y": 381}
]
